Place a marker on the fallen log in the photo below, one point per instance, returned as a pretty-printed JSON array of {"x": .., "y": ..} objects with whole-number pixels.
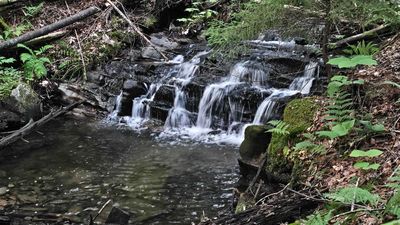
[
  {"x": 49, "y": 28},
  {"x": 282, "y": 210},
  {"x": 358, "y": 37},
  {"x": 7, "y": 2},
  {"x": 31, "y": 126}
]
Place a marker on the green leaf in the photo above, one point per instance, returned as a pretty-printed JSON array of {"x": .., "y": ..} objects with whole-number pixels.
[
  {"x": 366, "y": 60},
  {"x": 345, "y": 62},
  {"x": 25, "y": 57},
  {"x": 366, "y": 166},
  {"x": 370, "y": 153}
]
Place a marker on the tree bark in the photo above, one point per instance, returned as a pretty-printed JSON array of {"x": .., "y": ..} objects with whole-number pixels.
[{"x": 49, "y": 28}]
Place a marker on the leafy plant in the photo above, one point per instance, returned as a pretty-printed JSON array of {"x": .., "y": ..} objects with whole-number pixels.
[
  {"x": 34, "y": 65},
  {"x": 31, "y": 11},
  {"x": 348, "y": 195},
  {"x": 319, "y": 219},
  {"x": 362, "y": 48},
  {"x": 16, "y": 31},
  {"x": 280, "y": 127},
  {"x": 368, "y": 154},
  {"x": 339, "y": 130},
  {"x": 375, "y": 128},
  {"x": 197, "y": 14},
  {"x": 9, "y": 76},
  {"x": 352, "y": 62}
]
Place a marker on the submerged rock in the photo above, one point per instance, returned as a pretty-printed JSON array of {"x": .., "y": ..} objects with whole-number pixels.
[{"x": 256, "y": 140}]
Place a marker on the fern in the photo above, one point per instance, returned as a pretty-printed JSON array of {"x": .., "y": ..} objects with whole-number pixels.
[
  {"x": 34, "y": 66},
  {"x": 348, "y": 195},
  {"x": 9, "y": 77},
  {"x": 319, "y": 219},
  {"x": 280, "y": 127},
  {"x": 362, "y": 48}
]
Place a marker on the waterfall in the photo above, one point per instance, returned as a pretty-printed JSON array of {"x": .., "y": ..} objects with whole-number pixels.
[
  {"x": 304, "y": 83},
  {"x": 114, "y": 115},
  {"x": 301, "y": 85},
  {"x": 178, "y": 116}
]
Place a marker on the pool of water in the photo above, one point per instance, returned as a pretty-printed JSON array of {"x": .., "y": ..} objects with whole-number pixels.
[{"x": 81, "y": 165}]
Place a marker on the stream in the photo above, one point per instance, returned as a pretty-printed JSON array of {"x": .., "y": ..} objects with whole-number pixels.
[{"x": 82, "y": 165}]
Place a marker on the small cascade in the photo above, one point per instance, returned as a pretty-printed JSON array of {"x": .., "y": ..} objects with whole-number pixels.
[
  {"x": 301, "y": 85},
  {"x": 114, "y": 115},
  {"x": 178, "y": 116},
  {"x": 252, "y": 93},
  {"x": 304, "y": 83}
]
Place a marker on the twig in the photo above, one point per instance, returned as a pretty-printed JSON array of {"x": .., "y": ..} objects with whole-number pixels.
[
  {"x": 354, "y": 197},
  {"x": 137, "y": 30},
  {"x": 272, "y": 194},
  {"x": 264, "y": 161},
  {"x": 355, "y": 211},
  {"x": 101, "y": 209}
]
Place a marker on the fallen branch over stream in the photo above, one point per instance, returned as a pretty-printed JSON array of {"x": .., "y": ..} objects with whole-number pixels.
[
  {"x": 49, "y": 28},
  {"x": 31, "y": 126}
]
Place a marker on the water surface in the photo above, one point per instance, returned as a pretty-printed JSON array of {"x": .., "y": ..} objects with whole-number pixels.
[{"x": 82, "y": 165}]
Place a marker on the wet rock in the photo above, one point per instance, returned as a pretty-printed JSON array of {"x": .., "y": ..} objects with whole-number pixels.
[
  {"x": 3, "y": 190},
  {"x": 255, "y": 143},
  {"x": 300, "y": 41},
  {"x": 5, "y": 220},
  {"x": 150, "y": 53},
  {"x": 96, "y": 77},
  {"x": 118, "y": 217},
  {"x": 161, "y": 40},
  {"x": 165, "y": 96},
  {"x": 131, "y": 89},
  {"x": 3, "y": 173},
  {"x": 9, "y": 120},
  {"x": 158, "y": 112}
]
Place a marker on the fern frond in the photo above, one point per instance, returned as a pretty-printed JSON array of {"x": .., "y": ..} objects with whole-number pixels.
[
  {"x": 280, "y": 127},
  {"x": 347, "y": 195}
]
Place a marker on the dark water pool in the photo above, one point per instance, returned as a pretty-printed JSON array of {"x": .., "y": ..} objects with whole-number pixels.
[{"x": 81, "y": 165}]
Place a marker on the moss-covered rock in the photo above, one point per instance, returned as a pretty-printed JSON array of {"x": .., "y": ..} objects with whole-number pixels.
[
  {"x": 299, "y": 114},
  {"x": 256, "y": 141}
]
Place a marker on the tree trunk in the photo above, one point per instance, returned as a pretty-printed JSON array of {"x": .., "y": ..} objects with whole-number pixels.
[{"x": 49, "y": 28}]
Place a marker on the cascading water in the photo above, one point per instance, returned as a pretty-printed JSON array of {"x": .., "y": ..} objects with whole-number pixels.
[
  {"x": 114, "y": 114},
  {"x": 225, "y": 108}
]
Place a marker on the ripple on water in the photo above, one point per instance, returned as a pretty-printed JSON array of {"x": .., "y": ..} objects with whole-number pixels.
[{"x": 83, "y": 165}]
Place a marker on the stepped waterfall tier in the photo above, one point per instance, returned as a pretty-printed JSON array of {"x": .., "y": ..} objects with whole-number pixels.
[{"x": 250, "y": 93}]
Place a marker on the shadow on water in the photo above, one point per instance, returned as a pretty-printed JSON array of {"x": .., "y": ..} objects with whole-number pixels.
[{"x": 79, "y": 166}]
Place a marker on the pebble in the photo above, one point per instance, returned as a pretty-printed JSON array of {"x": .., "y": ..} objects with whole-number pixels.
[
  {"x": 3, "y": 190},
  {"x": 11, "y": 185}
]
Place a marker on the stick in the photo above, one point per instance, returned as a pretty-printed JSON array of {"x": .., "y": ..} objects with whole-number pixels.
[
  {"x": 258, "y": 173},
  {"x": 80, "y": 48},
  {"x": 137, "y": 30},
  {"x": 49, "y": 28},
  {"x": 101, "y": 209},
  {"x": 358, "y": 37},
  {"x": 31, "y": 126}
]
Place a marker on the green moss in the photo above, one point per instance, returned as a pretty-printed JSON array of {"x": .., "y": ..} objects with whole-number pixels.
[
  {"x": 150, "y": 21},
  {"x": 299, "y": 114},
  {"x": 255, "y": 142}
]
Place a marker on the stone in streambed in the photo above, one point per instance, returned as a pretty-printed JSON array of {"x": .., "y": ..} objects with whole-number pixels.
[
  {"x": 131, "y": 89},
  {"x": 118, "y": 216},
  {"x": 3, "y": 190},
  {"x": 255, "y": 142}
]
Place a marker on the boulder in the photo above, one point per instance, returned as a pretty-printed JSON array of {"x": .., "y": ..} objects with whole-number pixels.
[
  {"x": 161, "y": 40},
  {"x": 118, "y": 217},
  {"x": 165, "y": 96},
  {"x": 26, "y": 101},
  {"x": 150, "y": 53},
  {"x": 256, "y": 141}
]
